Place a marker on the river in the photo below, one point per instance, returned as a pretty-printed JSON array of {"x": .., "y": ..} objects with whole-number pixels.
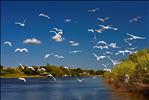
[{"x": 64, "y": 88}]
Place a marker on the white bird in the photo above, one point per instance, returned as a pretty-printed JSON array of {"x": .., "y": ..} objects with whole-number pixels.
[
  {"x": 107, "y": 52},
  {"x": 100, "y": 30},
  {"x": 93, "y": 10},
  {"x": 130, "y": 52},
  {"x": 113, "y": 45},
  {"x": 107, "y": 69},
  {"x": 58, "y": 56},
  {"x": 103, "y": 19},
  {"x": 73, "y": 43},
  {"x": 114, "y": 62},
  {"x": 91, "y": 30},
  {"x": 21, "y": 24},
  {"x": 23, "y": 79},
  {"x": 47, "y": 55},
  {"x": 43, "y": 15},
  {"x": 129, "y": 43},
  {"x": 50, "y": 75},
  {"x": 75, "y": 51},
  {"x": 101, "y": 42},
  {"x": 58, "y": 38},
  {"x": 98, "y": 57},
  {"x": 134, "y": 37},
  {"x": 31, "y": 68},
  {"x": 94, "y": 77},
  {"x": 131, "y": 48},
  {"x": 40, "y": 69},
  {"x": 66, "y": 67},
  {"x": 120, "y": 52},
  {"x": 22, "y": 66},
  {"x": 127, "y": 78},
  {"x": 108, "y": 27},
  {"x": 105, "y": 65},
  {"x": 21, "y": 50},
  {"x": 80, "y": 80},
  {"x": 101, "y": 47},
  {"x": 135, "y": 19},
  {"x": 9, "y": 43},
  {"x": 67, "y": 20},
  {"x": 58, "y": 30}
]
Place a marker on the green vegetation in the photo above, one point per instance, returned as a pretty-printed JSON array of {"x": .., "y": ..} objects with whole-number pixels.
[
  {"x": 58, "y": 71},
  {"x": 132, "y": 73}
]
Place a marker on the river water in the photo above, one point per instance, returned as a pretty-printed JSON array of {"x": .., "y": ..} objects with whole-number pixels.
[{"x": 64, "y": 88}]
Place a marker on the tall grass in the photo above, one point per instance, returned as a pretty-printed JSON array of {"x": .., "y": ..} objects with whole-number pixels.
[{"x": 136, "y": 66}]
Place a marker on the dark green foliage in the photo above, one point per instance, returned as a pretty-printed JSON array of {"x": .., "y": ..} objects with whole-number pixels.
[{"x": 54, "y": 70}]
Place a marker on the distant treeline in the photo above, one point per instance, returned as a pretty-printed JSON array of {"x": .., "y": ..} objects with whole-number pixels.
[
  {"x": 54, "y": 70},
  {"x": 132, "y": 73}
]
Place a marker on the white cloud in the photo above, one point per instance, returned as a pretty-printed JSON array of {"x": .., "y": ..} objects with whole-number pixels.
[
  {"x": 58, "y": 38},
  {"x": 32, "y": 41}
]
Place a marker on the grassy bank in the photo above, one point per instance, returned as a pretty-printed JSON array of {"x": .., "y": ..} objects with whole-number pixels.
[
  {"x": 132, "y": 74},
  {"x": 41, "y": 71}
]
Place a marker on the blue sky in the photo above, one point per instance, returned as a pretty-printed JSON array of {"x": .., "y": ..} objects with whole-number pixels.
[{"x": 77, "y": 30}]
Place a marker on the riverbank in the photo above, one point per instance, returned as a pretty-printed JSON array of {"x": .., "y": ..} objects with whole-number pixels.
[
  {"x": 127, "y": 87},
  {"x": 132, "y": 74}
]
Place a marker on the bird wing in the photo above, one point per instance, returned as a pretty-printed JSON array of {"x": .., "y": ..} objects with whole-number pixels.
[
  {"x": 24, "y": 49},
  {"x": 17, "y": 50},
  {"x": 8, "y": 43}
]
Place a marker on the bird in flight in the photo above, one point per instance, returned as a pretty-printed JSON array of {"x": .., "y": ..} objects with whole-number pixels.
[
  {"x": 105, "y": 65},
  {"x": 98, "y": 57},
  {"x": 108, "y": 27},
  {"x": 107, "y": 52},
  {"x": 135, "y": 19},
  {"x": 31, "y": 68},
  {"x": 43, "y": 15},
  {"x": 91, "y": 30},
  {"x": 128, "y": 42},
  {"x": 114, "y": 62},
  {"x": 73, "y": 43},
  {"x": 129, "y": 51},
  {"x": 23, "y": 79},
  {"x": 40, "y": 69},
  {"x": 21, "y": 24},
  {"x": 101, "y": 47},
  {"x": 80, "y": 80},
  {"x": 100, "y": 30},
  {"x": 93, "y": 10},
  {"x": 58, "y": 30},
  {"x": 120, "y": 52},
  {"x": 22, "y": 66},
  {"x": 113, "y": 45},
  {"x": 131, "y": 48},
  {"x": 107, "y": 69},
  {"x": 75, "y": 51},
  {"x": 50, "y": 75},
  {"x": 21, "y": 50},
  {"x": 67, "y": 20},
  {"x": 47, "y": 55},
  {"x": 103, "y": 19},
  {"x": 59, "y": 56},
  {"x": 134, "y": 37},
  {"x": 101, "y": 42},
  {"x": 9, "y": 43}
]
